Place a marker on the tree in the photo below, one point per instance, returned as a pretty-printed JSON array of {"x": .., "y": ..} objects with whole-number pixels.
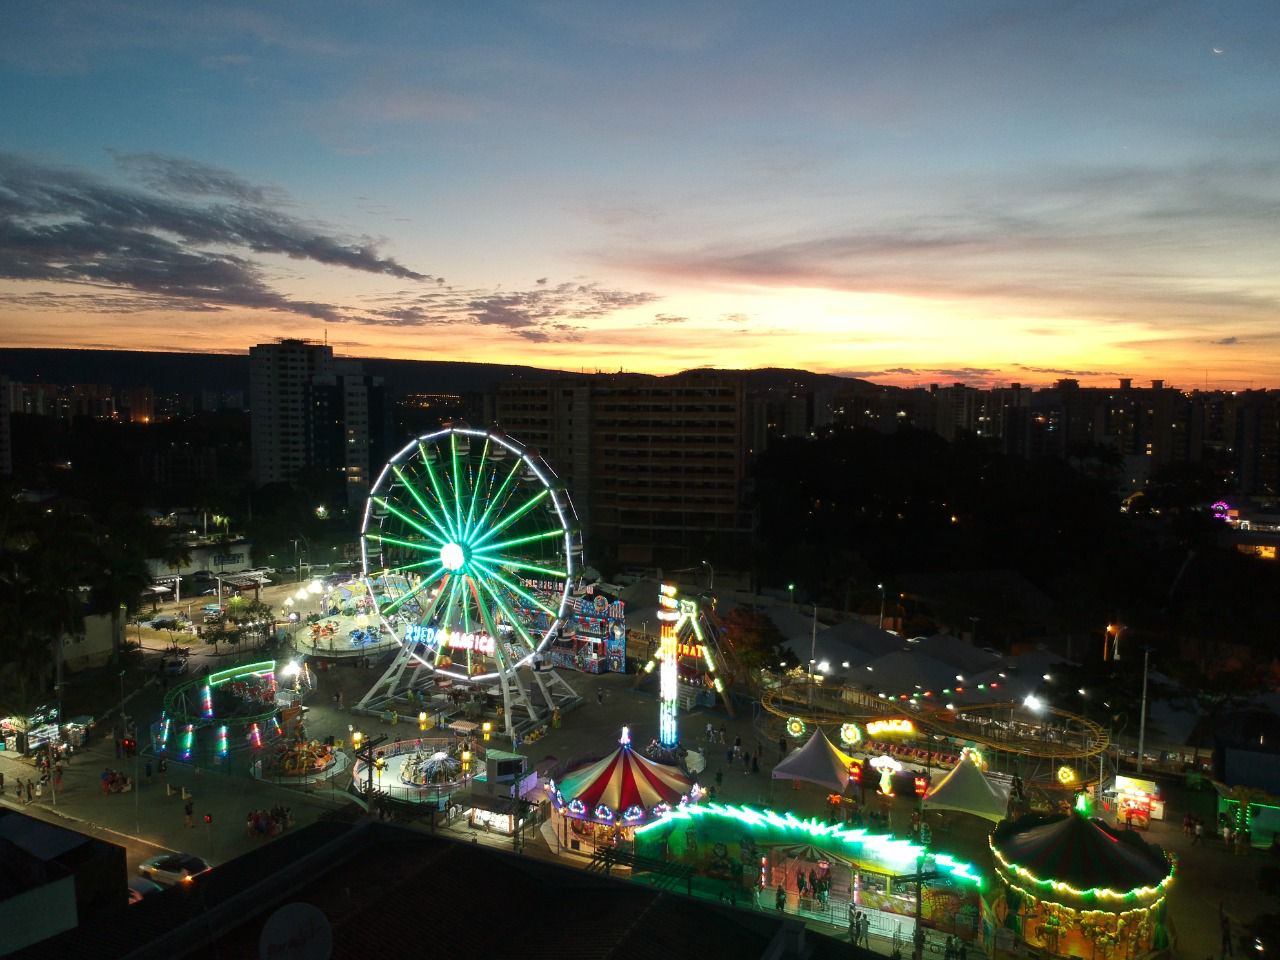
[{"x": 754, "y": 639}]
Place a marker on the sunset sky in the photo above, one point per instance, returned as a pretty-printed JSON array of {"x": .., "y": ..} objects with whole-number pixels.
[{"x": 905, "y": 191}]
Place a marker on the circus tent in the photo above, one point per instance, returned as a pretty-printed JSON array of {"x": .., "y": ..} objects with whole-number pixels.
[
  {"x": 818, "y": 761},
  {"x": 624, "y": 788},
  {"x": 966, "y": 789}
]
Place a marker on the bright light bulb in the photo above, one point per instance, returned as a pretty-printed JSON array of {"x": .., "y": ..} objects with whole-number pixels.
[{"x": 452, "y": 558}]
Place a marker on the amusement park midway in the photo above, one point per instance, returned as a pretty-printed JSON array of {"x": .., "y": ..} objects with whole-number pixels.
[
  {"x": 472, "y": 681},
  {"x": 150, "y": 820}
]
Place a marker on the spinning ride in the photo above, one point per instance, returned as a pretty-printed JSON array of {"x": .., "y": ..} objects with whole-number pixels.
[
  {"x": 470, "y": 552},
  {"x": 208, "y": 718},
  {"x": 618, "y": 793}
]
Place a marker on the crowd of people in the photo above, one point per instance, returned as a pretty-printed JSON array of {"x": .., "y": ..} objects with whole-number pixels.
[
  {"x": 268, "y": 823},
  {"x": 113, "y": 781}
]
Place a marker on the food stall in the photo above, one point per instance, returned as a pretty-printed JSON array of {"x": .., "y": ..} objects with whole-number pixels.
[{"x": 1137, "y": 802}]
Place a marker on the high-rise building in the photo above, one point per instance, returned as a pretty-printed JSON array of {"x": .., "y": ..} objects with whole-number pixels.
[
  {"x": 349, "y": 426},
  {"x": 655, "y": 465},
  {"x": 280, "y": 377},
  {"x": 312, "y": 413}
]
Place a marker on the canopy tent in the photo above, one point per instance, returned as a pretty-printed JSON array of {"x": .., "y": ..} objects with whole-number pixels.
[
  {"x": 1080, "y": 854},
  {"x": 966, "y": 789},
  {"x": 624, "y": 788},
  {"x": 818, "y": 761}
]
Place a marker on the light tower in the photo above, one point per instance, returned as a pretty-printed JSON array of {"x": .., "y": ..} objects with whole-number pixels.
[{"x": 668, "y": 678}]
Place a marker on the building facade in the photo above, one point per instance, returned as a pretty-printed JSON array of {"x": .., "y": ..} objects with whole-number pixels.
[{"x": 655, "y": 466}]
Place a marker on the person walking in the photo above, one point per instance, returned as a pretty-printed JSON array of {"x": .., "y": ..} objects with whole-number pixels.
[
  {"x": 865, "y": 927},
  {"x": 780, "y": 899},
  {"x": 188, "y": 809},
  {"x": 1199, "y": 834},
  {"x": 746, "y": 765},
  {"x": 28, "y": 789},
  {"x": 600, "y": 697},
  {"x": 146, "y": 769},
  {"x": 755, "y": 763}
]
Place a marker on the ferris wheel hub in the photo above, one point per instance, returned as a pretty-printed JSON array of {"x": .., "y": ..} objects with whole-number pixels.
[{"x": 453, "y": 557}]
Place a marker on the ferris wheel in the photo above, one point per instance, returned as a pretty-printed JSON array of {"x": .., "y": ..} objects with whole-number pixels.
[{"x": 470, "y": 552}]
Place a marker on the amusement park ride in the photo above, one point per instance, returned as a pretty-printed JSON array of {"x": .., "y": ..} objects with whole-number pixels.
[{"x": 471, "y": 549}]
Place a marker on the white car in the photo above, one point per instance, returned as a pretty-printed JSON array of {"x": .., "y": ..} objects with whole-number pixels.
[{"x": 171, "y": 869}]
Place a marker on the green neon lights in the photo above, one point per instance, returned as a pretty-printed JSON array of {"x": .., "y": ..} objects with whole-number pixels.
[
  {"x": 901, "y": 855},
  {"x": 479, "y": 517},
  {"x": 248, "y": 669},
  {"x": 1092, "y": 893}
]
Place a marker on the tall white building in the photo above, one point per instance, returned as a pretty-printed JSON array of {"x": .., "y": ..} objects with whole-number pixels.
[{"x": 280, "y": 378}]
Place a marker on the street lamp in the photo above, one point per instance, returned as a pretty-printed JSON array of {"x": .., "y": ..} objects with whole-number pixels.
[
  {"x": 1032, "y": 702},
  {"x": 711, "y": 576},
  {"x": 1142, "y": 717},
  {"x": 880, "y": 587},
  {"x": 791, "y": 591}
]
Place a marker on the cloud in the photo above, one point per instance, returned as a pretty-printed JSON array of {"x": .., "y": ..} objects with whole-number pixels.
[
  {"x": 1226, "y": 342},
  {"x": 176, "y": 176},
  {"x": 667, "y": 318},
  {"x": 1158, "y": 244},
  {"x": 907, "y": 371},
  {"x": 1068, "y": 373},
  {"x": 543, "y": 313},
  {"x": 65, "y": 226}
]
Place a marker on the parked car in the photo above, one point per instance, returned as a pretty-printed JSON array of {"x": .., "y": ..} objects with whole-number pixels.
[
  {"x": 164, "y": 623},
  {"x": 174, "y": 666},
  {"x": 140, "y": 888},
  {"x": 171, "y": 869},
  {"x": 203, "y": 575}
]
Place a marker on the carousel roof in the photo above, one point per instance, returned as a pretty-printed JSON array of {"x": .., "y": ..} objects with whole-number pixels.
[
  {"x": 622, "y": 780},
  {"x": 1075, "y": 855},
  {"x": 966, "y": 789}
]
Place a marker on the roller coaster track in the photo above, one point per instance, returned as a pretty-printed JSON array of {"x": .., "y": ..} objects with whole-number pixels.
[{"x": 1051, "y": 733}]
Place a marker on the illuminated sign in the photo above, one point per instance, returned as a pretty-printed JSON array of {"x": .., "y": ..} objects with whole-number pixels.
[
  {"x": 453, "y": 639},
  {"x": 850, "y": 734},
  {"x": 877, "y": 728},
  {"x": 691, "y": 650},
  {"x": 887, "y": 767}
]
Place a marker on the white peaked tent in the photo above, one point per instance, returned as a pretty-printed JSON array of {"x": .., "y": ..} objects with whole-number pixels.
[
  {"x": 818, "y": 761},
  {"x": 967, "y": 790}
]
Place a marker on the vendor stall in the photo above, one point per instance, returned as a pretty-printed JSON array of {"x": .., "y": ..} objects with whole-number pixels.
[
  {"x": 1138, "y": 802},
  {"x": 1070, "y": 887},
  {"x": 819, "y": 867}
]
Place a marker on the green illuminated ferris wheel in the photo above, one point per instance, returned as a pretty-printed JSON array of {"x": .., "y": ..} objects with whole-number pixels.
[{"x": 470, "y": 551}]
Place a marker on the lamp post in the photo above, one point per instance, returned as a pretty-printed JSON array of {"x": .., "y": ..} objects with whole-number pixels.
[
  {"x": 1142, "y": 716},
  {"x": 880, "y": 587},
  {"x": 711, "y": 576},
  {"x": 791, "y": 592}
]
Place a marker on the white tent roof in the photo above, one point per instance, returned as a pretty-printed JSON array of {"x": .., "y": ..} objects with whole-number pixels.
[
  {"x": 818, "y": 761},
  {"x": 966, "y": 789}
]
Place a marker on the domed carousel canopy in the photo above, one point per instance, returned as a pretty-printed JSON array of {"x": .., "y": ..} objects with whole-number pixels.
[
  {"x": 1077, "y": 858},
  {"x": 624, "y": 788}
]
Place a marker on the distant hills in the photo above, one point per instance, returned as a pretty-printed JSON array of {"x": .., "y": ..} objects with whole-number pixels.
[
  {"x": 193, "y": 372},
  {"x": 169, "y": 373}
]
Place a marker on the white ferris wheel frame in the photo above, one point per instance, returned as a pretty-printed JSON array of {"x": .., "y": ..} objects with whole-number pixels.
[{"x": 559, "y": 498}]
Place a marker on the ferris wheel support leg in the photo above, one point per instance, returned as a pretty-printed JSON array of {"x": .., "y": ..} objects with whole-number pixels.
[{"x": 387, "y": 686}]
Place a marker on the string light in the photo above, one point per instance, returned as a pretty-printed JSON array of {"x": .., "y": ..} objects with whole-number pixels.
[
  {"x": 1062, "y": 887},
  {"x": 885, "y": 848}
]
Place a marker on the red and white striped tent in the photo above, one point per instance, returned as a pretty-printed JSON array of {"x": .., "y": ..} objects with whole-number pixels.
[{"x": 623, "y": 788}]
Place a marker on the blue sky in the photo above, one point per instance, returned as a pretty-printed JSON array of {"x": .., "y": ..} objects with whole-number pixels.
[{"x": 906, "y": 191}]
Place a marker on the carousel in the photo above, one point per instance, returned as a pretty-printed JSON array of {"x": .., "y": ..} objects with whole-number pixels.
[
  {"x": 602, "y": 803},
  {"x": 423, "y": 770},
  {"x": 1069, "y": 886}
]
